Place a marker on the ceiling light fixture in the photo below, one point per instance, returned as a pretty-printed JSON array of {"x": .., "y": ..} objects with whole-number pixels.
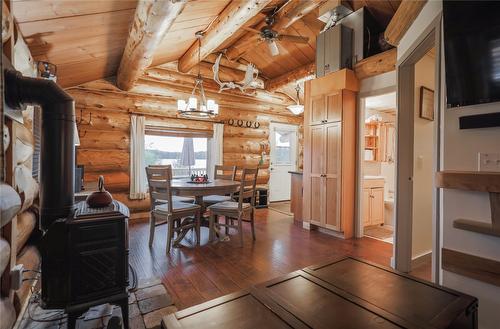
[
  {"x": 296, "y": 108},
  {"x": 192, "y": 108}
]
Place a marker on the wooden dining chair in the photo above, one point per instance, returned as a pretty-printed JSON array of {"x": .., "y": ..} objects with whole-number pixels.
[
  {"x": 221, "y": 172},
  {"x": 178, "y": 215},
  {"x": 175, "y": 198},
  {"x": 239, "y": 211}
]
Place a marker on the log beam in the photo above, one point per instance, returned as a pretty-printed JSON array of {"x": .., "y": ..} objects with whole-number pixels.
[
  {"x": 376, "y": 64},
  {"x": 151, "y": 22},
  {"x": 288, "y": 14},
  {"x": 401, "y": 21},
  {"x": 290, "y": 77},
  {"x": 233, "y": 17}
]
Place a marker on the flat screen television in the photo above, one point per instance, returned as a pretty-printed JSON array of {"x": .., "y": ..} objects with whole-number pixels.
[{"x": 472, "y": 52}]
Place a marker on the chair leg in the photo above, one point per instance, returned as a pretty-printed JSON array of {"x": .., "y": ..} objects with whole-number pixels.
[
  {"x": 170, "y": 233},
  {"x": 198, "y": 224},
  {"x": 152, "y": 224},
  {"x": 226, "y": 221},
  {"x": 252, "y": 223},
  {"x": 240, "y": 228},
  {"x": 211, "y": 227}
]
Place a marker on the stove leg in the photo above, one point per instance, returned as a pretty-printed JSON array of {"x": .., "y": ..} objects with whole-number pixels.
[
  {"x": 72, "y": 320},
  {"x": 124, "y": 306}
]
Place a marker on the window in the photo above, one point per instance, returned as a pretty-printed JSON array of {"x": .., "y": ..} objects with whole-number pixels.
[
  {"x": 164, "y": 150},
  {"x": 283, "y": 147}
]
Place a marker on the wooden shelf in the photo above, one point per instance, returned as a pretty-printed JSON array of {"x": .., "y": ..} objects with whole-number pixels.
[
  {"x": 475, "y": 226},
  {"x": 475, "y": 181},
  {"x": 469, "y": 180}
]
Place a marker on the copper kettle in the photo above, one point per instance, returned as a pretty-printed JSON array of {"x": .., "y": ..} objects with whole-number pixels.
[{"x": 101, "y": 198}]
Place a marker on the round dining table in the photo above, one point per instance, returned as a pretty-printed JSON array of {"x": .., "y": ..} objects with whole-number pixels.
[{"x": 184, "y": 187}]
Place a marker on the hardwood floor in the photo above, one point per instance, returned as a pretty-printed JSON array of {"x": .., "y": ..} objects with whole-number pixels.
[{"x": 195, "y": 275}]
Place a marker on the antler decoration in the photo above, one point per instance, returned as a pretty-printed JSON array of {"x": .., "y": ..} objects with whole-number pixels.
[{"x": 251, "y": 76}]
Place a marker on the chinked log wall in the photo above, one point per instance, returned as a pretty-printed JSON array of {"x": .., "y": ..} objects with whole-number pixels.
[{"x": 104, "y": 145}]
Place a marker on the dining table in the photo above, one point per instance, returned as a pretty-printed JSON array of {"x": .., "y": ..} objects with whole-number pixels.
[{"x": 184, "y": 187}]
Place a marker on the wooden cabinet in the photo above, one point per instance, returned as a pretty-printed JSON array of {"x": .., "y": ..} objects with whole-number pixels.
[
  {"x": 366, "y": 206},
  {"x": 329, "y": 152},
  {"x": 326, "y": 108},
  {"x": 296, "y": 195},
  {"x": 373, "y": 202},
  {"x": 379, "y": 141}
]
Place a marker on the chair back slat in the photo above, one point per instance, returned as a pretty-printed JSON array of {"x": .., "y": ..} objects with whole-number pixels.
[
  {"x": 225, "y": 172},
  {"x": 248, "y": 182},
  {"x": 159, "y": 178}
]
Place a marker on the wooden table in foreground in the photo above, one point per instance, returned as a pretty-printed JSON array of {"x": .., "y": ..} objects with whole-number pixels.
[{"x": 347, "y": 293}]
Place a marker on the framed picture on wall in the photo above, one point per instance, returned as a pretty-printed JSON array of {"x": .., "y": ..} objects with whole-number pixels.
[{"x": 426, "y": 103}]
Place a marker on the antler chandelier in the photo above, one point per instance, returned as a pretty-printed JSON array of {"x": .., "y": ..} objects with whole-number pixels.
[{"x": 192, "y": 108}]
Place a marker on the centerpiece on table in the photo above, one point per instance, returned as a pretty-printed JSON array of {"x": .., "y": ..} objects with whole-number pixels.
[{"x": 199, "y": 178}]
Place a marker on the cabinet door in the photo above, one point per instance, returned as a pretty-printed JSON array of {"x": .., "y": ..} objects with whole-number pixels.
[
  {"x": 317, "y": 110},
  {"x": 332, "y": 175},
  {"x": 366, "y": 206},
  {"x": 334, "y": 106},
  {"x": 377, "y": 206},
  {"x": 317, "y": 169}
]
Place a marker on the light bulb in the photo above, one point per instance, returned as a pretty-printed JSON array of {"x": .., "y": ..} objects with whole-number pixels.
[
  {"x": 193, "y": 103},
  {"x": 216, "y": 108},
  {"x": 181, "y": 105},
  {"x": 210, "y": 104}
]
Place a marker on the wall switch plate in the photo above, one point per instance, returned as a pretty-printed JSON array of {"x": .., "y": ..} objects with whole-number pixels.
[{"x": 488, "y": 162}]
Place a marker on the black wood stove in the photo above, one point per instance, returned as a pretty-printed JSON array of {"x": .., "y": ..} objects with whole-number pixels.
[
  {"x": 85, "y": 261},
  {"x": 84, "y": 251}
]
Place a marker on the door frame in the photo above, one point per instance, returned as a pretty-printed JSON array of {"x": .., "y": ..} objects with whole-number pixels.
[
  {"x": 405, "y": 68},
  {"x": 358, "y": 229},
  {"x": 295, "y": 127}
]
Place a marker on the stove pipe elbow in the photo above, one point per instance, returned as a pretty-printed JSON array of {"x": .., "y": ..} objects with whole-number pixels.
[{"x": 57, "y": 151}]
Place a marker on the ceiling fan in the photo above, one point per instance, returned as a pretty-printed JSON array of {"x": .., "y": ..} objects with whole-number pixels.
[{"x": 270, "y": 36}]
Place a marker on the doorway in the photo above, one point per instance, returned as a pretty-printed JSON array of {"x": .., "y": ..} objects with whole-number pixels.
[
  {"x": 283, "y": 158},
  {"x": 378, "y": 166}
]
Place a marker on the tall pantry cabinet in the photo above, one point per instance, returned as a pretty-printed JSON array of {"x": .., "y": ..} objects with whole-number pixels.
[{"x": 330, "y": 152}]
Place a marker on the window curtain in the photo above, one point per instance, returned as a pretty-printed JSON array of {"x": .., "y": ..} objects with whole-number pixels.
[
  {"x": 138, "y": 187},
  {"x": 214, "y": 146}
]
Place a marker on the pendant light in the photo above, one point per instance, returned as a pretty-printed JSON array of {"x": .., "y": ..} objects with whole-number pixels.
[
  {"x": 296, "y": 108},
  {"x": 193, "y": 107}
]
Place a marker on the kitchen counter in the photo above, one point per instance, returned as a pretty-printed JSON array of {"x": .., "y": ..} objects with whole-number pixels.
[
  {"x": 296, "y": 195},
  {"x": 296, "y": 172}
]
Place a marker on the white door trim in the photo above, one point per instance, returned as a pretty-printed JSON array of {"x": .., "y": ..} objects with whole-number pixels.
[
  {"x": 284, "y": 126},
  {"x": 431, "y": 37}
]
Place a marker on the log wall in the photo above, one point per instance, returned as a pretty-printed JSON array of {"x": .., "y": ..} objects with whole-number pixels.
[{"x": 105, "y": 143}]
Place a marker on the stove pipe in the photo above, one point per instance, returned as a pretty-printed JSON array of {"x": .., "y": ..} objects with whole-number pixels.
[{"x": 57, "y": 151}]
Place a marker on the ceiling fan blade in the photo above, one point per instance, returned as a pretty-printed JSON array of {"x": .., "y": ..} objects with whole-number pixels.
[
  {"x": 293, "y": 38},
  {"x": 273, "y": 47},
  {"x": 249, "y": 29}
]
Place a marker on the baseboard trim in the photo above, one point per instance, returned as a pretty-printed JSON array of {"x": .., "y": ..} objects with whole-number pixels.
[
  {"x": 330, "y": 232},
  {"x": 421, "y": 259}
]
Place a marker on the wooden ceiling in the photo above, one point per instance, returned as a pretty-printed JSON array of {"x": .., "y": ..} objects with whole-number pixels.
[{"x": 86, "y": 39}]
